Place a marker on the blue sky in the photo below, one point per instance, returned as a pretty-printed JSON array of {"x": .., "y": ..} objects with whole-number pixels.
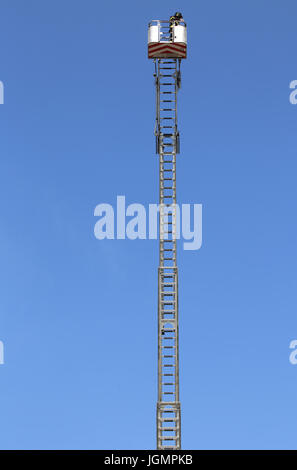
[{"x": 78, "y": 316}]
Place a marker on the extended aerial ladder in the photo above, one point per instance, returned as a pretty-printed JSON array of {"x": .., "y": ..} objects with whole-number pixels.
[{"x": 167, "y": 45}]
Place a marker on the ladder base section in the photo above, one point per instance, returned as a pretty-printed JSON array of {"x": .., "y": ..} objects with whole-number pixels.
[{"x": 168, "y": 426}]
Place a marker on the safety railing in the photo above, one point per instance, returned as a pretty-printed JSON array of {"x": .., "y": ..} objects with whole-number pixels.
[{"x": 161, "y": 30}]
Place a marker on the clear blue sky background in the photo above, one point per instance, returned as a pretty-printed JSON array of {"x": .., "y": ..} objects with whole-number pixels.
[{"x": 79, "y": 316}]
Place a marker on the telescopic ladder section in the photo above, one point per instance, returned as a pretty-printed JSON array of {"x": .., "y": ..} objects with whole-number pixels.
[{"x": 167, "y": 78}]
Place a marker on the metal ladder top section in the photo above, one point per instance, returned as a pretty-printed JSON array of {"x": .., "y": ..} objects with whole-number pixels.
[{"x": 167, "y": 77}]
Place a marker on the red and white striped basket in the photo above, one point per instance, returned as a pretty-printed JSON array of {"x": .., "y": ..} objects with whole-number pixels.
[{"x": 158, "y": 50}]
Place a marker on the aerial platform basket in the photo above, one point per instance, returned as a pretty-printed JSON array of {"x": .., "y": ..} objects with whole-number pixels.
[{"x": 165, "y": 41}]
